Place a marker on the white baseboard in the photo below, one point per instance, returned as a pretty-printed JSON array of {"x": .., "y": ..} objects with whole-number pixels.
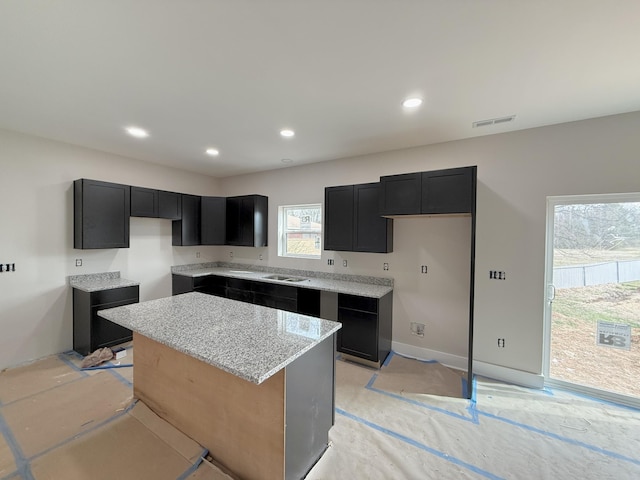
[{"x": 496, "y": 372}]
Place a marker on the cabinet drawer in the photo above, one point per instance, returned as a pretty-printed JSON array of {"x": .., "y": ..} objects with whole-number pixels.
[
  {"x": 240, "y": 294},
  {"x": 275, "y": 290},
  {"x": 115, "y": 295},
  {"x": 355, "y": 302}
]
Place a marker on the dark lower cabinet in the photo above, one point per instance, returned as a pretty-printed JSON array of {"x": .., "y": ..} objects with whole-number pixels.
[
  {"x": 101, "y": 214},
  {"x": 90, "y": 331},
  {"x": 186, "y": 231},
  {"x": 366, "y": 321},
  {"x": 366, "y": 326}
]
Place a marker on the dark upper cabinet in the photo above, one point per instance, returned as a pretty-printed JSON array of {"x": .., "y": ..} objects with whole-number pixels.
[
  {"x": 372, "y": 233},
  {"x": 352, "y": 222},
  {"x": 213, "y": 221},
  {"x": 101, "y": 214},
  {"x": 144, "y": 202},
  {"x": 246, "y": 222},
  {"x": 401, "y": 194},
  {"x": 338, "y": 218},
  {"x": 147, "y": 202},
  {"x": 169, "y": 205},
  {"x": 450, "y": 191},
  {"x": 186, "y": 231}
]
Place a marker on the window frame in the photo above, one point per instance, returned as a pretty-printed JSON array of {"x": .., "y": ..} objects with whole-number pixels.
[{"x": 283, "y": 230}]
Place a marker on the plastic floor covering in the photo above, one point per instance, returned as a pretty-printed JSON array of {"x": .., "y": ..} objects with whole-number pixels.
[{"x": 60, "y": 422}]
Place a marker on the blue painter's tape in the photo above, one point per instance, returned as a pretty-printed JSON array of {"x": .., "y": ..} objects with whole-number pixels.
[
  {"x": 65, "y": 359},
  {"x": 193, "y": 467},
  {"x": 419, "y": 445},
  {"x": 473, "y": 419},
  {"x": 388, "y": 359},
  {"x": 89, "y": 430},
  {"x": 555, "y": 436},
  {"x": 23, "y": 468},
  {"x": 120, "y": 378},
  {"x": 109, "y": 366}
]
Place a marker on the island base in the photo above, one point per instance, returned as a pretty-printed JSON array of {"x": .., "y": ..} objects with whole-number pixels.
[{"x": 276, "y": 429}]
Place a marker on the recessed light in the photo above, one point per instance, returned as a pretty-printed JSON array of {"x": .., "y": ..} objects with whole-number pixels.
[
  {"x": 286, "y": 160},
  {"x": 137, "y": 132},
  {"x": 212, "y": 151},
  {"x": 412, "y": 102},
  {"x": 287, "y": 132}
]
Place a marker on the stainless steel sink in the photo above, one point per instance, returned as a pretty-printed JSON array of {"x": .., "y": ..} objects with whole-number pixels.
[{"x": 285, "y": 278}]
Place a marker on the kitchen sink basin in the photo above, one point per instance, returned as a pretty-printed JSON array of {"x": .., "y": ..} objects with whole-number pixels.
[{"x": 285, "y": 278}]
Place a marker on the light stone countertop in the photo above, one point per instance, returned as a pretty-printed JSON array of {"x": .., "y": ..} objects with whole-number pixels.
[
  {"x": 373, "y": 287},
  {"x": 246, "y": 340},
  {"x": 95, "y": 282}
]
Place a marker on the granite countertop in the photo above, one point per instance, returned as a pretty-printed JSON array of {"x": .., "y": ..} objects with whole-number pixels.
[
  {"x": 374, "y": 287},
  {"x": 246, "y": 340},
  {"x": 94, "y": 282}
]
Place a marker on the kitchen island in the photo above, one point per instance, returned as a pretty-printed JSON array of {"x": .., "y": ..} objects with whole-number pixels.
[{"x": 252, "y": 384}]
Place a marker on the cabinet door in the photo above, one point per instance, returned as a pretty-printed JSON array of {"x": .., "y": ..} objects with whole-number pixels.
[
  {"x": 214, "y": 218},
  {"x": 247, "y": 220},
  {"x": 338, "y": 218},
  {"x": 448, "y": 191},
  {"x": 359, "y": 334},
  {"x": 401, "y": 194},
  {"x": 105, "y": 333},
  {"x": 169, "y": 205},
  {"x": 101, "y": 214},
  {"x": 372, "y": 233},
  {"x": 144, "y": 202},
  {"x": 186, "y": 231},
  {"x": 233, "y": 230}
]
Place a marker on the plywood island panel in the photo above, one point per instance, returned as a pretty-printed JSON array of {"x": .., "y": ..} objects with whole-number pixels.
[
  {"x": 241, "y": 423},
  {"x": 253, "y": 385}
]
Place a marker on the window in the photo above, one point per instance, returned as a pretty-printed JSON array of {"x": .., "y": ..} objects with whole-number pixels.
[{"x": 300, "y": 231}]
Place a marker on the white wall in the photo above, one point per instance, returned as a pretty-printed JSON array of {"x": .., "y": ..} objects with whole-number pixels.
[
  {"x": 516, "y": 172},
  {"x": 36, "y": 233}
]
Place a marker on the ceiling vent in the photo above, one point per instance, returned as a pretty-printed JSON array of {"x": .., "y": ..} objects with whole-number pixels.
[{"x": 493, "y": 121}]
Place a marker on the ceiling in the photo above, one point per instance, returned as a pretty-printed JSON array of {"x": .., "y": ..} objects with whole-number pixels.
[{"x": 231, "y": 74}]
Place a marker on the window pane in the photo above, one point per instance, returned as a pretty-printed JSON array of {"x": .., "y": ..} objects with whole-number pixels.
[
  {"x": 303, "y": 218},
  {"x": 303, "y": 244}
]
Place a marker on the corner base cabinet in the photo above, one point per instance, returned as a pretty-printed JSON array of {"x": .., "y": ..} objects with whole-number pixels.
[{"x": 90, "y": 331}]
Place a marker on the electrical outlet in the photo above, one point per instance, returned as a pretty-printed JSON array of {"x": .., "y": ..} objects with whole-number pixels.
[
  {"x": 330, "y": 261},
  {"x": 344, "y": 263},
  {"x": 385, "y": 266},
  {"x": 501, "y": 343},
  {"x": 260, "y": 257},
  {"x": 423, "y": 269},
  {"x": 417, "y": 329},
  {"x": 78, "y": 262},
  {"x": 197, "y": 254},
  {"x": 230, "y": 254}
]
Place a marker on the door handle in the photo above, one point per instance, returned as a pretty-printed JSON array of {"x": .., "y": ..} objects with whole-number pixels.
[{"x": 551, "y": 293}]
